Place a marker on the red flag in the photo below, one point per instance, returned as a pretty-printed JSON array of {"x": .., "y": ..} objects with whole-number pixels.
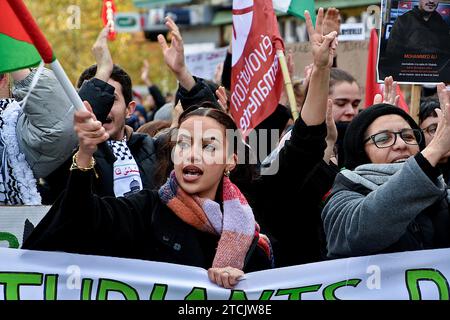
[
  {"x": 108, "y": 12},
  {"x": 372, "y": 87},
  {"x": 256, "y": 81}
]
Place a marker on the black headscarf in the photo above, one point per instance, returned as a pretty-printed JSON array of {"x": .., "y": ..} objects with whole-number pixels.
[{"x": 355, "y": 154}]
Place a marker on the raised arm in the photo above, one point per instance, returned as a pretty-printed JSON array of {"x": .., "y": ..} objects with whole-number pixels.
[
  {"x": 174, "y": 55},
  {"x": 307, "y": 144},
  {"x": 290, "y": 175},
  {"x": 323, "y": 49},
  {"x": 81, "y": 222}
]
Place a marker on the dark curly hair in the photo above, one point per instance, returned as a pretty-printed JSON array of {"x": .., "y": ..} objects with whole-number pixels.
[{"x": 118, "y": 74}]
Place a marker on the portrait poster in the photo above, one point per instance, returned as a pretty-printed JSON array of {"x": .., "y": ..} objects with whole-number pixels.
[{"x": 414, "y": 43}]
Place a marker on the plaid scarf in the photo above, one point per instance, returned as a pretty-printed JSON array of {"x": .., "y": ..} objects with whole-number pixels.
[{"x": 236, "y": 226}]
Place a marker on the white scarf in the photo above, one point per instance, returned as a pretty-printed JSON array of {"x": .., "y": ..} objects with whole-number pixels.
[{"x": 17, "y": 182}]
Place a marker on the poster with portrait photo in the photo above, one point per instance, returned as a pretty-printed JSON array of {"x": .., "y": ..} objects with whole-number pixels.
[{"x": 415, "y": 41}]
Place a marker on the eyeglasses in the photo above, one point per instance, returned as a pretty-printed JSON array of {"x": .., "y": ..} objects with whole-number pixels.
[
  {"x": 385, "y": 139},
  {"x": 431, "y": 129}
]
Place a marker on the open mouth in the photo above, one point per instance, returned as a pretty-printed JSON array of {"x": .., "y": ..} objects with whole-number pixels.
[
  {"x": 400, "y": 160},
  {"x": 192, "y": 173}
]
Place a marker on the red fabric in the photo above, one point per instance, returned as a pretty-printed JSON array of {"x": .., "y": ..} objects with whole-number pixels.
[
  {"x": 109, "y": 3},
  {"x": 10, "y": 25},
  {"x": 372, "y": 87},
  {"x": 257, "y": 81},
  {"x": 29, "y": 31}
]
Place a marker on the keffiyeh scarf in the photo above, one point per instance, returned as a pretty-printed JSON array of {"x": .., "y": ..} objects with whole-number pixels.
[
  {"x": 17, "y": 183},
  {"x": 126, "y": 175}
]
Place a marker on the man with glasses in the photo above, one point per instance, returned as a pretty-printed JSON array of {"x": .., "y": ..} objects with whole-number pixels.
[
  {"x": 391, "y": 196},
  {"x": 428, "y": 121},
  {"x": 428, "y": 118}
]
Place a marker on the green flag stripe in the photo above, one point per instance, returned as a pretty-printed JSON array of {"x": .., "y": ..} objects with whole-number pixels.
[
  {"x": 16, "y": 54},
  {"x": 298, "y": 7}
]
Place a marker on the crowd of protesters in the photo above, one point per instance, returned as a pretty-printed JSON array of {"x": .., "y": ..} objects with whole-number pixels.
[{"x": 337, "y": 182}]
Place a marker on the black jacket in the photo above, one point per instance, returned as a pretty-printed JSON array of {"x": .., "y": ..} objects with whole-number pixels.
[
  {"x": 101, "y": 97},
  {"x": 203, "y": 91},
  {"x": 288, "y": 203},
  {"x": 137, "y": 227}
]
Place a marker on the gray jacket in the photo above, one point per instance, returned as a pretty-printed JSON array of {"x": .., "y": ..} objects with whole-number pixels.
[
  {"x": 385, "y": 208},
  {"x": 45, "y": 128}
]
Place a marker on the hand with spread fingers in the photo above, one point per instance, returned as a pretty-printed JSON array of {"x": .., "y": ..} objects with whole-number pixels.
[
  {"x": 323, "y": 47},
  {"x": 390, "y": 95},
  {"x": 332, "y": 21},
  {"x": 227, "y": 277},
  {"x": 174, "y": 55},
  {"x": 102, "y": 55},
  {"x": 439, "y": 147}
]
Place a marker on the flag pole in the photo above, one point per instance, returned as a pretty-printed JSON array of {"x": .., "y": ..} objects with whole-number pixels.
[
  {"x": 70, "y": 91},
  {"x": 46, "y": 52},
  {"x": 288, "y": 83}
]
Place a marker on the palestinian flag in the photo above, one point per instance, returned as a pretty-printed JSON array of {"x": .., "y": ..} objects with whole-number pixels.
[
  {"x": 19, "y": 48},
  {"x": 296, "y": 7}
]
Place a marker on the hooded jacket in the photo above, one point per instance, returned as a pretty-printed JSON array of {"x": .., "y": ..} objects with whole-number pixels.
[{"x": 44, "y": 129}]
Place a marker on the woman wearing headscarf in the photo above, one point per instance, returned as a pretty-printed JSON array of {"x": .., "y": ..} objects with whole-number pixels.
[{"x": 391, "y": 197}]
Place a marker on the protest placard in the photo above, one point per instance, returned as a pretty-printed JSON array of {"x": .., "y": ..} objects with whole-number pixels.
[{"x": 415, "y": 41}]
